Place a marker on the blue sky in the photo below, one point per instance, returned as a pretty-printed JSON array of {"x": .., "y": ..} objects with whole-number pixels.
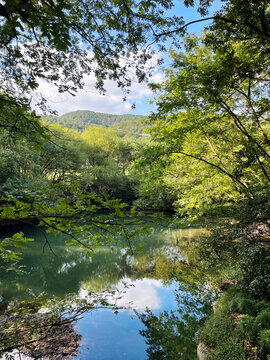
[
  {"x": 89, "y": 99},
  {"x": 189, "y": 14}
]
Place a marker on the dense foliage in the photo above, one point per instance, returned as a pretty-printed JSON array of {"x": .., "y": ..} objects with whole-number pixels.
[
  {"x": 210, "y": 133},
  {"x": 208, "y": 152},
  {"x": 238, "y": 318},
  {"x": 97, "y": 157}
]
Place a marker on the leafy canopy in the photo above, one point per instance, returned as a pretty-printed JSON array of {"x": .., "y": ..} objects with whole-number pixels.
[{"x": 210, "y": 133}]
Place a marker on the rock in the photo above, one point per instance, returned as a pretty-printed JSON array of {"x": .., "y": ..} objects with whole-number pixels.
[
  {"x": 204, "y": 352},
  {"x": 226, "y": 285}
]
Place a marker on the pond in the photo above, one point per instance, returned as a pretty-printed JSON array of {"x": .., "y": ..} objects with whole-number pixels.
[{"x": 158, "y": 309}]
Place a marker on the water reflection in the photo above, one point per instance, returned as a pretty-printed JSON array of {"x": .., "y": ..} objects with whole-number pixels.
[
  {"x": 143, "y": 293},
  {"x": 171, "y": 334},
  {"x": 118, "y": 337},
  {"x": 71, "y": 269},
  {"x": 153, "y": 277}
]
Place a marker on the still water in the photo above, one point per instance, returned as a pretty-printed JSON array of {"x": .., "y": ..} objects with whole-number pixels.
[{"x": 158, "y": 278}]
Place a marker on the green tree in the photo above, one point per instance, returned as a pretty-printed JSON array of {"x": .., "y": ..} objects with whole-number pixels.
[
  {"x": 211, "y": 124},
  {"x": 62, "y": 158},
  {"x": 108, "y": 162}
]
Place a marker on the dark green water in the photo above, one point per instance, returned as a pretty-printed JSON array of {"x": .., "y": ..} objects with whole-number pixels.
[{"x": 156, "y": 279}]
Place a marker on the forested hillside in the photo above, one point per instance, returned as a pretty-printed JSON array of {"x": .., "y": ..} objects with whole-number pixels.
[{"x": 125, "y": 125}]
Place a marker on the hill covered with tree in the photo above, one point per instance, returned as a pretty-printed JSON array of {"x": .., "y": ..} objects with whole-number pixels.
[{"x": 125, "y": 125}]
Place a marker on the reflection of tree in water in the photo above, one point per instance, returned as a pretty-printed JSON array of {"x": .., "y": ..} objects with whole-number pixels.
[
  {"x": 44, "y": 329},
  {"x": 165, "y": 255},
  {"x": 171, "y": 335},
  {"x": 175, "y": 259},
  {"x": 47, "y": 275}
]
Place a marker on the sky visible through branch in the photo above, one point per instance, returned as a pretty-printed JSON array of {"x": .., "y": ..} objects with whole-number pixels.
[{"x": 112, "y": 102}]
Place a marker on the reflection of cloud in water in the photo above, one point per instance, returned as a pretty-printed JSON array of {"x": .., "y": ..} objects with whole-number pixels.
[
  {"x": 143, "y": 293},
  {"x": 137, "y": 294},
  {"x": 66, "y": 266}
]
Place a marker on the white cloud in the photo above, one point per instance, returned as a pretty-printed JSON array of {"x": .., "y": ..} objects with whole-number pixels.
[{"x": 90, "y": 99}]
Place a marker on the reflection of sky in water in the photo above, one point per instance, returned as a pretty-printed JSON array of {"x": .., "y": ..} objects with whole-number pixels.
[
  {"x": 106, "y": 336},
  {"x": 142, "y": 294}
]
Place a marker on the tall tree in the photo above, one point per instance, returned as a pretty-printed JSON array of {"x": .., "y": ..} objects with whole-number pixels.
[{"x": 212, "y": 120}]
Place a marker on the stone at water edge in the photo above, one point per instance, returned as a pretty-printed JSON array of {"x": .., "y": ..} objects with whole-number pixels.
[{"x": 203, "y": 352}]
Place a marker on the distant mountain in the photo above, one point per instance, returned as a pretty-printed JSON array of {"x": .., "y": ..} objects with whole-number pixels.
[{"x": 125, "y": 125}]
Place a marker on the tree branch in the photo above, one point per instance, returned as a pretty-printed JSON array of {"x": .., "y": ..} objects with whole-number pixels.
[
  {"x": 219, "y": 18},
  {"x": 242, "y": 185},
  {"x": 242, "y": 128}
]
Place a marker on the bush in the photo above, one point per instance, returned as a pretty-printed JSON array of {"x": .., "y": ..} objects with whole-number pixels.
[
  {"x": 264, "y": 341},
  {"x": 242, "y": 304},
  {"x": 226, "y": 336},
  {"x": 229, "y": 350},
  {"x": 254, "y": 271},
  {"x": 246, "y": 329},
  {"x": 263, "y": 319},
  {"x": 218, "y": 333}
]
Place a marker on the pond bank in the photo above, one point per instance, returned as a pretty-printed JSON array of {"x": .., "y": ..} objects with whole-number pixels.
[{"x": 41, "y": 336}]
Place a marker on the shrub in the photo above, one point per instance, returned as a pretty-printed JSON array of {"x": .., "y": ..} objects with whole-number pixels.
[
  {"x": 242, "y": 304},
  {"x": 264, "y": 341},
  {"x": 246, "y": 329},
  {"x": 226, "y": 336},
  {"x": 218, "y": 333},
  {"x": 229, "y": 350},
  {"x": 254, "y": 272}
]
